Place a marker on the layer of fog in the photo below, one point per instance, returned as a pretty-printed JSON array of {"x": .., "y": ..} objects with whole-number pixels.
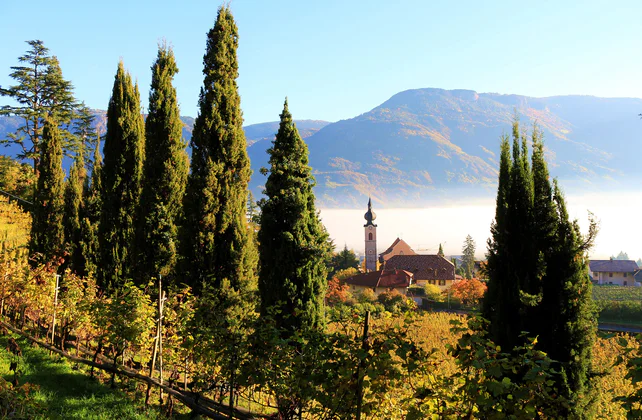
[{"x": 425, "y": 228}]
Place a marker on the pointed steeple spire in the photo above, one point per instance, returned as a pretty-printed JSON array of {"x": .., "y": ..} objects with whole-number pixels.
[{"x": 370, "y": 215}]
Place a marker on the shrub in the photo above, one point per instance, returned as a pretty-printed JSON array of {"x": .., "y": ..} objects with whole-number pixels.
[
  {"x": 433, "y": 292},
  {"x": 395, "y": 302}
]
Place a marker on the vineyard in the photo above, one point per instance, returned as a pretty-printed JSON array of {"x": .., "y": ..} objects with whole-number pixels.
[
  {"x": 619, "y": 304},
  {"x": 617, "y": 293},
  {"x": 407, "y": 368}
]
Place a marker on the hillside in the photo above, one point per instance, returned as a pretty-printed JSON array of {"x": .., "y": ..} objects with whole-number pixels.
[{"x": 434, "y": 144}]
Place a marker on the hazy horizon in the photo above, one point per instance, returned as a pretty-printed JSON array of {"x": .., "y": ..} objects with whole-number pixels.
[{"x": 425, "y": 228}]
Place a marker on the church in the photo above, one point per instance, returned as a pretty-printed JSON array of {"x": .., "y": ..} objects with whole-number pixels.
[{"x": 399, "y": 262}]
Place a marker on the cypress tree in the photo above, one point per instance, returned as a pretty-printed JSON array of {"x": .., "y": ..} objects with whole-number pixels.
[
  {"x": 538, "y": 279},
  {"x": 500, "y": 304},
  {"x": 219, "y": 256},
  {"x": 165, "y": 174},
  {"x": 544, "y": 230},
  {"x": 441, "y": 251},
  {"x": 121, "y": 180},
  {"x": 570, "y": 325},
  {"x": 73, "y": 215},
  {"x": 217, "y": 241},
  {"x": 91, "y": 213},
  {"x": 292, "y": 240},
  {"x": 47, "y": 232}
]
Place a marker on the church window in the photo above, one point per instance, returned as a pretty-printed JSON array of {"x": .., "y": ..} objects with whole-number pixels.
[{"x": 370, "y": 236}]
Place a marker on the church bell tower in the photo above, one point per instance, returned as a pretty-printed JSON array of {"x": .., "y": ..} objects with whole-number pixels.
[{"x": 371, "y": 239}]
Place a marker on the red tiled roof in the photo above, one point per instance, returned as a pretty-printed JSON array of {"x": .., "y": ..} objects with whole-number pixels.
[
  {"x": 383, "y": 278},
  {"x": 424, "y": 267}
]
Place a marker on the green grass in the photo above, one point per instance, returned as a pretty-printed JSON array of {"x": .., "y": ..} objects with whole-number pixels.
[{"x": 66, "y": 393}]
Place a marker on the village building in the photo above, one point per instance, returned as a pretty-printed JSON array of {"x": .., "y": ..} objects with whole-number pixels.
[
  {"x": 617, "y": 272},
  {"x": 426, "y": 269},
  {"x": 381, "y": 281}
]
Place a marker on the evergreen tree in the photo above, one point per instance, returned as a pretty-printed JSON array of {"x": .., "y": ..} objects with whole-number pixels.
[
  {"x": 165, "y": 174},
  {"x": 570, "y": 324},
  {"x": 217, "y": 241},
  {"x": 538, "y": 279},
  {"x": 468, "y": 257},
  {"x": 219, "y": 255},
  {"x": 342, "y": 260},
  {"x": 41, "y": 93},
  {"x": 292, "y": 240},
  {"x": 47, "y": 232},
  {"x": 90, "y": 217},
  {"x": 545, "y": 221},
  {"x": 621, "y": 256},
  {"x": 73, "y": 215},
  {"x": 441, "y": 251},
  {"x": 19, "y": 180},
  {"x": 84, "y": 131},
  {"x": 501, "y": 303},
  {"x": 121, "y": 180}
]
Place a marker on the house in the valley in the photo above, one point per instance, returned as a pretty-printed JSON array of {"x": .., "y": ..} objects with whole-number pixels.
[
  {"x": 398, "y": 247},
  {"x": 618, "y": 272},
  {"x": 381, "y": 281},
  {"x": 426, "y": 269}
]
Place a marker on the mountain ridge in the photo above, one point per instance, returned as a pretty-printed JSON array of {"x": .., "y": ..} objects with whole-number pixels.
[{"x": 435, "y": 144}]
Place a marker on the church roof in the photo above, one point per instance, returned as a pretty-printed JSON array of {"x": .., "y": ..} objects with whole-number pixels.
[
  {"x": 424, "y": 267},
  {"x": 392, "y": 247},
  {"x": 388, "y": 279}
]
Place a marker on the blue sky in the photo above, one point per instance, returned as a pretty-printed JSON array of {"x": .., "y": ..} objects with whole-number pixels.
[{"x": 338, "y": 59}]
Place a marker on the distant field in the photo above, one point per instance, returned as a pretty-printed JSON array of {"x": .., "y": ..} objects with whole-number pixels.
[
  {"x": 617, "y": 293},
  {"x": 619, "y": 304}
]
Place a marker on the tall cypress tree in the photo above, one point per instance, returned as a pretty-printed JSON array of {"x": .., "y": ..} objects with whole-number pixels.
[
  {"x": 73, "y": 214},
  {"x": 121, "y": 180},
  {"x": 90, "y": 218},
  {"x": 217, "y": 242},
  {"x": 292, "y": 240},
  {"x": 501, "y": 302},
  {"x": 165, "y": 174},
  {"x": 570, "y": 318},
  {"x": 47, "y": 232},
  {"x": 538, "y": 280}
]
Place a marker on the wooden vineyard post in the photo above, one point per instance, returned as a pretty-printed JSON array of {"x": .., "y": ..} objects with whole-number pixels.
[
  {"x": 55, "y": 304},
  {"x": 362, "y": 365},
  {"x": 161, "y": 305},
  {"x": 185, "y": 373},
  {"x": 158, "y": 344}
]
